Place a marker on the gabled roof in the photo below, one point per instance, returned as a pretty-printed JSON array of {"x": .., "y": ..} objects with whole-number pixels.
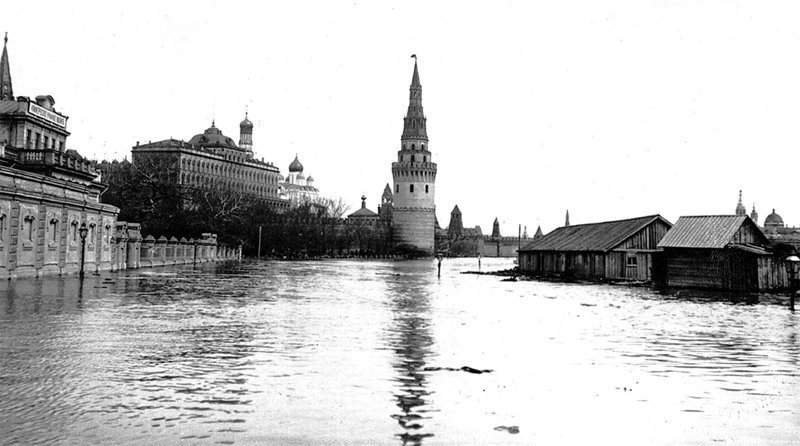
[
  {"x": 595, "y": 237},
  {"x": 707, "y": 231}
]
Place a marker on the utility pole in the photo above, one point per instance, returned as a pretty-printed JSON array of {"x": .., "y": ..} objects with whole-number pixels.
[{"x": 259, "y": 242}]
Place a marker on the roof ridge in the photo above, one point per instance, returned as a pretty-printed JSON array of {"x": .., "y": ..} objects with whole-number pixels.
[{"x": 611, "y": 221}]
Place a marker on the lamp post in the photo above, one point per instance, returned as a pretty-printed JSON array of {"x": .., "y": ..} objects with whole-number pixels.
[
  {"x": 83, "y": 231},
  {"x": 794, "y": 282}
]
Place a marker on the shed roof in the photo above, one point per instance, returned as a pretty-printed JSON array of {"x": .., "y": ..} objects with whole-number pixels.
[
  {"x": 595, "y": 237},
  {"x": 706, "y": 231}
]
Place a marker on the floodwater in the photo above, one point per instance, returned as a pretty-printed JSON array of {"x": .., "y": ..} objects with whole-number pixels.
[{"x": 384, "y": 352}]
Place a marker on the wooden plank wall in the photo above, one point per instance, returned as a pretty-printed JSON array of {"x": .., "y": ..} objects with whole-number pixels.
[
  {"x": 647, "y": 238},
  {"x": 773, "y": 274},
  {"x": 692, "y": 268}
]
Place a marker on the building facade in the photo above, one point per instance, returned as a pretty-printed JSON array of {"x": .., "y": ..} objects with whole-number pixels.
[
  {"x": 51, "y": 218},
  {"x": 414, "y": 176},
  {"x": 211, "y": 160}
]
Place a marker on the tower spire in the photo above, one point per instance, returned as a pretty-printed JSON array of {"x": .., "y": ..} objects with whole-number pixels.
[
  {"x": 6, "y": 90},
  {"x": 740, "y": 209},
  {"x": 414, "y": 128},
  {"x": 566, "y": 221}
]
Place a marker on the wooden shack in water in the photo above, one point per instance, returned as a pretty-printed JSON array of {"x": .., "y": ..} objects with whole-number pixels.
[
  {"x": 621, "y": 249},
  {"x": 726, "y": 252}
]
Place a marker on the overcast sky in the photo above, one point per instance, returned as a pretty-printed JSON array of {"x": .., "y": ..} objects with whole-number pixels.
[{"x": 611, "y": 109}]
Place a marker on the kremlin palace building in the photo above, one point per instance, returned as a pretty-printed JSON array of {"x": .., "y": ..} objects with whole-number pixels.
[{"x": 213, "y": 160}]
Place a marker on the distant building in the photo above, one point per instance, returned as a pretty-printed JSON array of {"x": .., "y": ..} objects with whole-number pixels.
[
  {"x": 364, "y": 216},
  {"x": 773, "y": 228},
  {"x": 717, "y": 252},
  {"x": 621, "y": 249},
  {"x": 211, "y": 160},
  {"x": 296, "y": 187},
  {"x": 414, "y": 176}
]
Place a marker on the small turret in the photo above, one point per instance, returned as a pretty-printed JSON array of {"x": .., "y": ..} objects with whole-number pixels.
[
  {"x": 246, "y": 135},
  {"x": 754, "y": 214},
  {"x": 496, "y": 228}
]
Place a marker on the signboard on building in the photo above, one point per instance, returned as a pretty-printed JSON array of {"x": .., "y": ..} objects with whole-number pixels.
[{"x": 47, "y": 115}]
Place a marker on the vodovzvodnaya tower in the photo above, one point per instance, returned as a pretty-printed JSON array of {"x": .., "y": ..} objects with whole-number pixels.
[{"x": 414, "y": 174}]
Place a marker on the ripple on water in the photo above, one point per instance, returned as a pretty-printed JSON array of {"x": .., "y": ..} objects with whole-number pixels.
[{"x": 361, "y": 352}]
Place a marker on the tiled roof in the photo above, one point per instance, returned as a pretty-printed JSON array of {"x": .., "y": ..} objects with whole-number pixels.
[
  {"x": 595, "y": 237},
  {"x": 705, "y": 231}
]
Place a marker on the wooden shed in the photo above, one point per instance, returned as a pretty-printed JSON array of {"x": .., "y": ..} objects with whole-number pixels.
[
  {"x": 717, "y": 252},
  {"x": 621, "y": 249}
]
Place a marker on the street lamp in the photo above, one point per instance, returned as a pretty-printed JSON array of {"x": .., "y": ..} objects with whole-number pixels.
[{"x": 83, "y": 231}]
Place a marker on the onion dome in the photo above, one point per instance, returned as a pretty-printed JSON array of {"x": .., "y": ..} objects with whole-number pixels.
[
  {"x": 310, "y": 179},
  {"x": 773, "y": 219},
  {"x": 296, "y": 166},
  {"x": 246, "y": 123},
  {"x": 212, "y": 137},
  {"x": 300, "y": 176}
]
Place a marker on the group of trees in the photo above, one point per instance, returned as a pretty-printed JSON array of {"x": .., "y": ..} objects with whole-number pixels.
[{"x": 148, "y": 192}]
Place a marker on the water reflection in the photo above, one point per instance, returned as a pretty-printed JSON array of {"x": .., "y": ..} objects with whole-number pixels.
[{"x": 411, "y": 341}]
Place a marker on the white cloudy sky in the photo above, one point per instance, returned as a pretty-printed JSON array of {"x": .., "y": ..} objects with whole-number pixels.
[{"x": 611, "y": 109}]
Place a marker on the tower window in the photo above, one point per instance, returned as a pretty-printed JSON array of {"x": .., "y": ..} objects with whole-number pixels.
[
  {"x": 424, "y": 159},
  {"x": 411, "y": 188},
  {"x": 426, "y": 188},
  {"x": 397, "y": 189},
  {"x": 413, "y": 147},
  {"x": 412, "y": 158}
]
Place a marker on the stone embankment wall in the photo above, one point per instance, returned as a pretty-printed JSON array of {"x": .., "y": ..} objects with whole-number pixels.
[{"x": 130, "y": 251}]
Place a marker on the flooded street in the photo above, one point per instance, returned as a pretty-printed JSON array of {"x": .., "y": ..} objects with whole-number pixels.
[{"x": 384, "y": 352}]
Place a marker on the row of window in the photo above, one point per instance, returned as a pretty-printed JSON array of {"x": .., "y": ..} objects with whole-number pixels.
[
  {"x": 204, "y": 181},
  {"x": 414, "y": 147},
  {"x": 414, "y": 159},
  {"x": 410, "y": 188},
  {"x": 49, "y": 143},
  {"x": 229, "y": 171}
]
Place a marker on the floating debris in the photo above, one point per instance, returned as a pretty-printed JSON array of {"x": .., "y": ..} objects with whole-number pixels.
[
  {"x": 462, "y": 369},
  {"x": 509, "y": 429}
]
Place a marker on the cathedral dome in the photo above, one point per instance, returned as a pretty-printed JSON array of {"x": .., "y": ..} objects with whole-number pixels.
[
  {"x": 246, "y": 123},
  {"x": 773, "y": 219},
  {"x": 212, "y": 137},
  {"x": 295, "y": 166}
]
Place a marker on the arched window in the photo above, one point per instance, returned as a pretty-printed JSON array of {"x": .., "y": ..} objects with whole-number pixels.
[
  {"x": 397, "y": 189},
  {"x": 412, "y": 158},
  {"x": 424, "y": 159},
  {"x": 426, "y": 188},
  {"x": 411, "y": 188},
  {"x": 413, "y": 147}
]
